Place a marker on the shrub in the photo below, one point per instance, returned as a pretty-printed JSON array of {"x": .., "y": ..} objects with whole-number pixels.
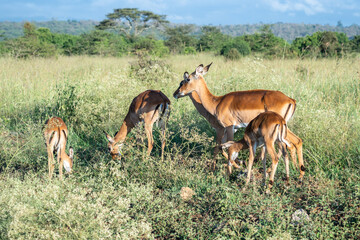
[
  {"x": 149, "y": 69},
  {"x": 189, "y": 50},
  {"x": 242, "y": 48},
  {"x": 151, "y": 46},
  {"x": 232, "y": 54}
]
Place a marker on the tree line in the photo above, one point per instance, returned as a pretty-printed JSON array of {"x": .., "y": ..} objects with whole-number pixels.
[{"x": 122, "y": 33}]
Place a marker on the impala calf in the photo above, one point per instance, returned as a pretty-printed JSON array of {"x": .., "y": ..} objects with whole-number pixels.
[
  {"x": 236, "y": 109},
  {"x": 264, "y": 130},
  {"x": 56, "y": 134},
  {"x": 147, "y": 107}
]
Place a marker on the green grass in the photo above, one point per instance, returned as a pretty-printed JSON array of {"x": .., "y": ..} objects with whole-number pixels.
[{"x": 140, "y": 197}]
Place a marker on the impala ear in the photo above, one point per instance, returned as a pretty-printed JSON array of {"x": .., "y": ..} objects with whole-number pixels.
[
  {"x": 109, "y": 138},
  {"x": 199, "y": 70},
  {"x": 206, "y": 69},
  {"x": 71, "y": 153},
  {"x": 186, "y": 76}
]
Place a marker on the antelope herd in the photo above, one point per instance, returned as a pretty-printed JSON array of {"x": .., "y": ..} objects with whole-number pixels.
[{"x": 264, "y": 113}]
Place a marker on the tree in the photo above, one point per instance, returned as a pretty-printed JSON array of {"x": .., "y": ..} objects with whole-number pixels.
[
  {"x": 211, "y": 39},
  {"x": 235, "y": 48},
  {"x": 31, "y": 45},
  {"x": 131, "y": 21},
  {"x": 321, "y": 44},
  {"x": 266, "y": 43},
  {"x": 179, "y": 37},
  {"x": 103, "y": 43},
  {"x": 355, "y": 44}
]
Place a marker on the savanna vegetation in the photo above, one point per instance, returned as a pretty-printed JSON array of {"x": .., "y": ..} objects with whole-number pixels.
[
  {"x": 89, "y": 81},
  {"x": 287, "y": 31},
  {"x": 129, "y": 31},
  {"x": 139, "y": 197}
]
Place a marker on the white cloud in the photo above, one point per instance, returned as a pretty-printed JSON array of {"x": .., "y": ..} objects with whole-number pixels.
[
  {"x": 309, "y": 7},
  {"x": 179, "y": 18},
  {"x": 312, "y": 7}
]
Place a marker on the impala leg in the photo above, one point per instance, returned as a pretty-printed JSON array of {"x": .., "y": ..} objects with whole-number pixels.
[
  {"x": 286, "y": 158},
  {"x": 148, "y": 130},
  {"x": 293, "y": 152},
  {"x": 275, "y": 160},
  {"x": 163, "y": 143},
  {"x": 219, "y": 135},
  {"x": 263, "y": 157},
  {"x": 252, "y": 150},
  {"x": 229, "y": 166},
  {"x": 163, "y": 127},
  {"x": 297, "y": 142},
  {"x": 51, "y": 164},
  {"x": 224, "y": 140},
  {"x": 230, "y": 137},
  {"x": 61, "y": 163}
]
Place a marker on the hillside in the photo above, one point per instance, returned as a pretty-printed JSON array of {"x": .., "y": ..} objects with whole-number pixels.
[
  {"x": 287, "y": 31},
  {"x": 15, "y": 29}
]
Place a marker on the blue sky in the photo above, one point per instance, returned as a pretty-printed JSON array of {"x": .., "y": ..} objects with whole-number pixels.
[{"x": 211, "y": 12}]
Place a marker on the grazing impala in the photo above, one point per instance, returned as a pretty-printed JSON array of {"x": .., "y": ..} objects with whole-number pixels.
[
  {"x": 56, "y": 134},
  {"x": 265, "y": 129},
  {"x": 236, "y": 109},
  {"x": 147, "y": 107}
]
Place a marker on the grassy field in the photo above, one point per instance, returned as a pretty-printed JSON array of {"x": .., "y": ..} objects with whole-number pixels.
[{"x": 139, "y": 198}]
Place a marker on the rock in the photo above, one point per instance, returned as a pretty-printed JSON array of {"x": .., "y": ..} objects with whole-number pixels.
[
  {"x": 300, "y": 217},
  {"x": 186, "y": 193}
]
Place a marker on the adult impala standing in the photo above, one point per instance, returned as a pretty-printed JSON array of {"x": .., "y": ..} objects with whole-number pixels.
[{"x": 236, "y": 109}]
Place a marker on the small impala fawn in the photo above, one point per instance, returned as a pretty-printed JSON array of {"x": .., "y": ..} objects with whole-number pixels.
[
  {"x": 266, "y": 129},
  {"x": 147, "y": 107},
  {"x": 56, "y": 134}
]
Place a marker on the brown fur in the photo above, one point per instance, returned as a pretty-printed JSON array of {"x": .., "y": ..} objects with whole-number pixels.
[
  {"x": 55, "y": 135},
  {"x": 144, "y": 107},
  {"x": 236, "y": 108},
  {"x": 267, "y": 128}
]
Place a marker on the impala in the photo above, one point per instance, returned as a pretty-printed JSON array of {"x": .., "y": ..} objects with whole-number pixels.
[
  {"x": 147, "y": 107},
  {"x": 220, "y": 136},
  {"x": 56, "y": 134},
  {"x": 236, "y": 109},
  {"x": 265, "y": 129}
]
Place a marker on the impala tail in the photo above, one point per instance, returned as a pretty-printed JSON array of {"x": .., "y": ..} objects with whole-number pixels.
[
  {"x": 164, "y": 111},
  {"x": 282, "y": 133},
  {"x": 290, "y": 111}
]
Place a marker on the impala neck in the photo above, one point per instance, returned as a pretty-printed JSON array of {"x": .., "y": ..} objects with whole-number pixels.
[
  {"x": 124, "y": 130},
  {"x": 208, "y": 100}
]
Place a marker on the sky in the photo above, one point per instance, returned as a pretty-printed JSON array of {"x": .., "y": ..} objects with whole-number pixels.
[{"x": 211, "y": 12}]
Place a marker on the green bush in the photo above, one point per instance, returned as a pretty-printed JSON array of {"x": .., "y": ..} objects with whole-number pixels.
[
  {"x": 189, "y": 50},
  {"x": 149, "y": 69},
  {"x": 151, "y": 46},
  {"x": 232, "y": 54},
  {"x": 242, "y": 48}
]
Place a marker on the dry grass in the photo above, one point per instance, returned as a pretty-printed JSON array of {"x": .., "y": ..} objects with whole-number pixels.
[{"x": 139, "y": 198}]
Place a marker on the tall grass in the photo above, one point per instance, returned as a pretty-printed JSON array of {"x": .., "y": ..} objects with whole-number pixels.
[{"x": 139, "y": 197}]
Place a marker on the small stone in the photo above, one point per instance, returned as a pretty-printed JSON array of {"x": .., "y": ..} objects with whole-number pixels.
[
  {"x": 186, "y": 193},
  {"x": 300, "y": 217}
]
